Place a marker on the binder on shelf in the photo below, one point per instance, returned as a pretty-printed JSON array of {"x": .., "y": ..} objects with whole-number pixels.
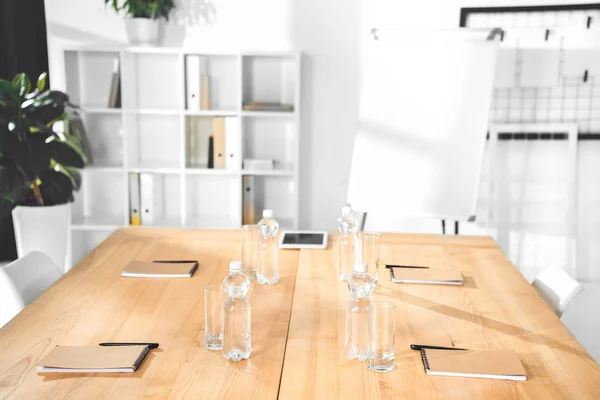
[
  {"x": 248, "y": 201},
  {"x": 204, "y": 92},
  {"x": 211, "y": 152},
  {"x": 114, "y": 97},
  {"x": 192, "y": 82},
  {"x": 134, "y": 199},
  {"x": 219, "y": 142},
  {"x": 233, "y": 144},
  {"x": 150, "y": 198}
]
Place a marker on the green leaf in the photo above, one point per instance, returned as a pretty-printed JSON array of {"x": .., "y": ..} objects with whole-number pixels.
[
  {"x": 72, "y": 173},
  {"x": 56, "y": 188},
  {"x": 32, "y": 158},
  {"x": 41, "y": 82},
  {"x": 8, "y": 90},
  {"x": 22, "y": 84},
  {"x": 65, "y": 154}
]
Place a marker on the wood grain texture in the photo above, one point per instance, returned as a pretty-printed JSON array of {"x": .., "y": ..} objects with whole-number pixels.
[
  {"x": 93, "y": 303},
  {"x": 495, "y": 309}
]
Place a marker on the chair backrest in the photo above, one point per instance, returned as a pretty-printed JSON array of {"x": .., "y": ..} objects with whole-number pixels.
[
  {"x": 23, "y": 281},
  {"x": 46, "y": 229},
  {"x": 557, "y": 288}
]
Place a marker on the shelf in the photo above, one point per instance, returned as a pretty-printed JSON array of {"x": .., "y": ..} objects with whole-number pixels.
[
  {"x": 97, "y": 223},
  {"x": 211, "y": 171},
  {"x": 100, "y": 110},
  {"x": 211, "y": 113},
  {"x": 269, "y": 173},
  {"x": 268, "y": 114},
  {"x": 103, "y": 167},
  {"x": 152, "y": 111},
  {"x": 168, "y": 222},
  {"x": 154, "y": 133},
  {"x": 155, "y": 170}
]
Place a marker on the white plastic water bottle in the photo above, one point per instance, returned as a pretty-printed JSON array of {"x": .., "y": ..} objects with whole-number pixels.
[
  {"x": 357, "y": 312},
  {"x": 348, "y": 251},
  {"x": 237, "y": 344},
  {"x": 268, "y": 262}
]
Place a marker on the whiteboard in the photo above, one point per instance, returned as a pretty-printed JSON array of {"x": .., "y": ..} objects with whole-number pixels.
[{"x": 423, "y": 118}]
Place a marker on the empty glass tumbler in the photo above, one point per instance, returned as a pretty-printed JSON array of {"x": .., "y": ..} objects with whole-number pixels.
[
  {"x": 250, "y": 249},
  {"x": 214, "y": 297},
  {"x": 382, "y": 329},
  {"x": 369, "y": 249}
]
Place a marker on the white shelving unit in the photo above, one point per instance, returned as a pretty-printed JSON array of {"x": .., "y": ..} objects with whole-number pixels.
[{"x": 153, "y": 133}]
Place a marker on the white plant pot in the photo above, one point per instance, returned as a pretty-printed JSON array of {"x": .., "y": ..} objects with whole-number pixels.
[{"x": 142, "y": 31}]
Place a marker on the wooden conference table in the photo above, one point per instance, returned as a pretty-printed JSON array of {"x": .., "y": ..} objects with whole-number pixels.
[{"x": 297, "y": 326}]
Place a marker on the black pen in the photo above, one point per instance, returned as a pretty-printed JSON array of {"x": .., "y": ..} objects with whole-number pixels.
[
  {"x": 425, "y": 346},
  {"x": 150, "y": 345},
  {"x": 403, "y": 266},
  {"x": 175, "y": 261}
]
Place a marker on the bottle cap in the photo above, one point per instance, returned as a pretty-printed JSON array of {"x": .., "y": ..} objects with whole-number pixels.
[
  {"x": 346, "y": 210},
  {"x": 235, "y": 266},
  {"x": 360, "y": 267},
  {"x": 267, "y": 213}
]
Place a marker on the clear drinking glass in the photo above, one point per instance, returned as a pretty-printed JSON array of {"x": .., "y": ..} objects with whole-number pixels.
[
  {"x": 382, "y": 328},
  {"x": 369, "y": 243},
  {"x": 214, "y": 297},
  {"x": 250, "y": 247}
]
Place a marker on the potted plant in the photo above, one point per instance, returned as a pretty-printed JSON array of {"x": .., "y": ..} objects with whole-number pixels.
[
  {"x": 142, "y": 24},
  {"x": 38, "y": 161}
]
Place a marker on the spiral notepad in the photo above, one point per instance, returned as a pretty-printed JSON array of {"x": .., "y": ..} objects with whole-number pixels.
[
  {"x": 492, "y": 364},
  {"x": 93, "y": 359}
]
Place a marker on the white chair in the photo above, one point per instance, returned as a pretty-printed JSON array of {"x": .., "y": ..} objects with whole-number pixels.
[
  {"x": 44, "y": 229},
  {"x": 24, "y": 280},
  {"x": 557, "y": 288}
]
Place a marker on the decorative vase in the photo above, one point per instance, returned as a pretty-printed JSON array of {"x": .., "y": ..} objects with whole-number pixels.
[{"x": 142, "y": 31}]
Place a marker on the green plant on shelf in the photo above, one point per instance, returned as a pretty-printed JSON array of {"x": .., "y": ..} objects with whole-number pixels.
[
  {"x": 151, "y": 9},
  {"x": 38, "y": 159}
]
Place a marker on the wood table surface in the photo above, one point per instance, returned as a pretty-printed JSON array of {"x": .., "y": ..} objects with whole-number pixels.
[
  {"x": 297, "y": 326},
  {"x": 495, "y": 309}
]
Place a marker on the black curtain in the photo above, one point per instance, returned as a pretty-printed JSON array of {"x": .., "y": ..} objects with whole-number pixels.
[
  {"x": 23, "y": 48},
  {"x": 23, "y": 44}
]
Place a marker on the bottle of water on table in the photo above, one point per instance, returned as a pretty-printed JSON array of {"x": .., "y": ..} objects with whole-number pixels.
[
  {"x": 348, "y": 249},
  {"x": 236, "y": 314},
  {"x": 360, "y": 285},
  {"x": 268, "y": 262}
]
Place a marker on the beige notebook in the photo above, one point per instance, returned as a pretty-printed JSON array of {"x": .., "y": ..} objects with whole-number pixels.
[
  {"x": 426, "y": 275},
  {"x": 492, "y": 364},
  {"x": 93, "y": 359},
  {"x": 149, "y": 269}
]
